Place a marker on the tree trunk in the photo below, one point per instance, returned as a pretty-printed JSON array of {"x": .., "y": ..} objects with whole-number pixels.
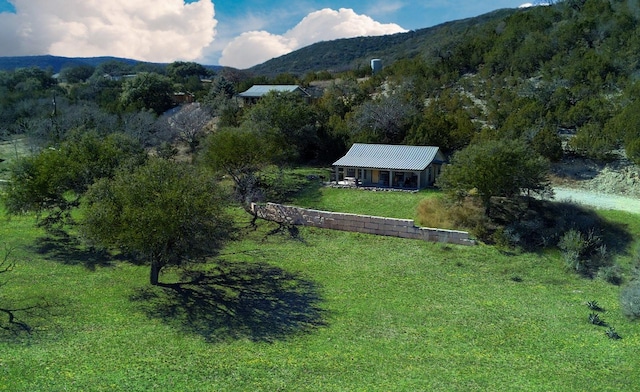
[
  {"x": 154, "y": 274},
  {"x": 486, "y": 202}
]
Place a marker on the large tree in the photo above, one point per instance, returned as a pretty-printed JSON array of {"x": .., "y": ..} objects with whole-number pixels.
[
  {"x": 506, "y": 168},
  {"x": 166, "y": 213}
]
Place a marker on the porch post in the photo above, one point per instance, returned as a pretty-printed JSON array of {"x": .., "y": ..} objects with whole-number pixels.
[
  {"x": 419, "y": 180},
  {"x": 337, "y": 178}
]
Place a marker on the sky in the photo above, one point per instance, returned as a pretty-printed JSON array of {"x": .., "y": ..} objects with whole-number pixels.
[{"x": 234, "y": 33}]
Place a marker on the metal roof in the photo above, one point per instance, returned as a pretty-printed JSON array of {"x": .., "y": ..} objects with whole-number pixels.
[
  {"x": 260, "y": 90},
  {"x": 386, "y": 156}
]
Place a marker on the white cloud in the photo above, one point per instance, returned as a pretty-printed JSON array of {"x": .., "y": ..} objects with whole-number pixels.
[
  {"x": 538, "y": 3},
  {"x": 150, "y": 30},
  {"x": 255, "y": 47}
]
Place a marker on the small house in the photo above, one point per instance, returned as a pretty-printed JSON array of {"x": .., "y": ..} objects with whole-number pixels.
[
  {"x": 390, "y": 166},
  {"x": 181, "y": 98},
  {"x": 252, "y": 95}
]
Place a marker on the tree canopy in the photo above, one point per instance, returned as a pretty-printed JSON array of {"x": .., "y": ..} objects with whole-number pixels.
[
  {"x": 147, "y": 90},
  {"x": 52, "y": 181},
  {"x": 287, "y": 118},
  {"x": 164, "y": 212},
  {"x": 504, "y": 168}
]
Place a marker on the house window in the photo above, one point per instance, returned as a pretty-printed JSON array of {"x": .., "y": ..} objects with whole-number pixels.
[{"x": 351, "y": 172}]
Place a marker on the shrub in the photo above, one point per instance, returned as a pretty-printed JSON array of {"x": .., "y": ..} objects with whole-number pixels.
[
  {"x": 630, "y": 300},
  {"x": 584, "y": 253},
  {"x": 527, "y": 232},
  {"x": 611, "y": 274},
  {"x": 572, "y": 245},
  {"x": 278, "y": 185},
  {"x": 636, "y": 263},
  {"x": 612, "y": 334},
  {"x": 593, "y": 305},
  {"x": 594, "y": 318}
]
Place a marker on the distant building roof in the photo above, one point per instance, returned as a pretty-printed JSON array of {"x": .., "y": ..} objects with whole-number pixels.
[
  {"x": 391, "y": 157},
  {"x": 258, "y": 90}
]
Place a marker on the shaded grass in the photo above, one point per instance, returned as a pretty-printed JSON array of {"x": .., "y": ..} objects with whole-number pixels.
[
  {"x": 236, "y": 300},
  {"x": 336, "y": 311}
]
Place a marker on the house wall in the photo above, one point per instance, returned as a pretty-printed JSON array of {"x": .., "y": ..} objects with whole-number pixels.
[
  {"x": 386, "y": 178},
  {"x": 403, "y": 228}
]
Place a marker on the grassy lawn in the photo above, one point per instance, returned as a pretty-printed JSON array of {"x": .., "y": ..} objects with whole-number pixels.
[
  {"x": 391, "y": 204},
  {"x": 332, "y": 311}
]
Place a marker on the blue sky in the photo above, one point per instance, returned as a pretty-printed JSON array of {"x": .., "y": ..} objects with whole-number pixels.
[{"x": 237, "y": 33}]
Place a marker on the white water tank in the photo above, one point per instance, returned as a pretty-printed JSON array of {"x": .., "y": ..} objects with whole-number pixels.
[{"x": 376, "y": 65}]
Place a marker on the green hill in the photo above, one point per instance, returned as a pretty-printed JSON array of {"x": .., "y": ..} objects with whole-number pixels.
[{"x": 344, "y": 54}]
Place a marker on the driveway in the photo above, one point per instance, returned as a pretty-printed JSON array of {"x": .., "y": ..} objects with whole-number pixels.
[{"x": 598, "y": 200}]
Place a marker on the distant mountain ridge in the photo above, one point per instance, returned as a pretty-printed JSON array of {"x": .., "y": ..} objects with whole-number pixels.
[{"x": 56, "y": 63}]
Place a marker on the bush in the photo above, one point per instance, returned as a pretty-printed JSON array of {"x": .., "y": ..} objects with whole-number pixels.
[
  {"x": 526, "y": 233},
  {"x": 612, "y": 334},
  {"x": 572, "y": 245},
  {"x": 611, "y": 274},
  {"x": 584, "y": 253},
  {"x": 595, "y": 319},
  {"x": 630, "y": 300}
]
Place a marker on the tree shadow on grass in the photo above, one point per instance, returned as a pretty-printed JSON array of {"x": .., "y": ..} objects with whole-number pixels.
[
  {"x": 237, "y": 300},
  {"x": 538, "y": 224},
  {"x": 69, "y": 250}
]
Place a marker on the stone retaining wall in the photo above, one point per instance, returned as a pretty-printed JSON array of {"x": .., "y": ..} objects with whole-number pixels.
[{"x": 403, "y": 228}]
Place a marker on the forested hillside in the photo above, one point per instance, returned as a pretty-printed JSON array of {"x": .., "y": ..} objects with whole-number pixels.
[
  {"x": 571, "y": 68},
  {"x": 566, "y": 69},
  {"x": 353, "y": 53}
]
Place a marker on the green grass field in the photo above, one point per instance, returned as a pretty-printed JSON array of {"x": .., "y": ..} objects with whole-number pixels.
[{"x": 331, "y": 311}]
